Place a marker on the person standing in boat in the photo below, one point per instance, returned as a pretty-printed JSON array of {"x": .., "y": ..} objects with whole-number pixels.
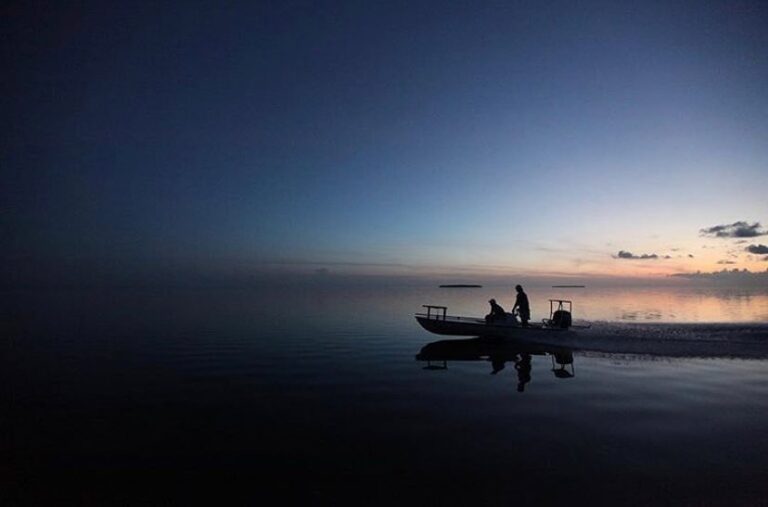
[
  {"x": 521, "y": 303},
  {"x": 497, "y": 312},
  {"x": 523, "y": 367}
]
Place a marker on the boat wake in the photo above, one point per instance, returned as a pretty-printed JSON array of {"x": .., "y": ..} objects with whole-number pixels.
[{"x": 748, "y": 340}]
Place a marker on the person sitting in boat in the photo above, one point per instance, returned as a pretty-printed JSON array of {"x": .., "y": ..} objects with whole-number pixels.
[
  {"x": 497, "y": 312},
  {"x": 521, "y": 303}
]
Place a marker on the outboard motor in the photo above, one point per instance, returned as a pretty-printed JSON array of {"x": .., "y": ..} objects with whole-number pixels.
[{"x": 561, "y": 319}]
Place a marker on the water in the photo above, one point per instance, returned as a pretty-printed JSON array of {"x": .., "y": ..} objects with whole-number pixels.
[{"x": 313, "y": 394}]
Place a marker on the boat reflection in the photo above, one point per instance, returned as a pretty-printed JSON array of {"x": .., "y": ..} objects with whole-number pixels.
[{"x": 499, "y": 353}]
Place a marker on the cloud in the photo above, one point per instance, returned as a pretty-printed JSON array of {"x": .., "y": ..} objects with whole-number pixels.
[
  {"x": 726, "y": 262},
  {"x": 690, "y": 255},
  {"x": 629, "y": 255},
  {"x": 739, "y": 229},
  {"x": 731, "y": 276},
  {"x": 757, "y": 249}
]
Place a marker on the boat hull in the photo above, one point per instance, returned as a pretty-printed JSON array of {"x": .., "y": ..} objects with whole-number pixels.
[{"x": 468, "y": 326}]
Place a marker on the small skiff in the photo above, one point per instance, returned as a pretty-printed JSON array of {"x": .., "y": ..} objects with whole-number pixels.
[{"x": 559, "y": 323}]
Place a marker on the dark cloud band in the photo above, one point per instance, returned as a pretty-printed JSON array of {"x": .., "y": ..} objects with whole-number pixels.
[
  {"x": 757, "y": 249},
  {"x": 629, "y": 255},
  {"x": 738, "y": 229}
]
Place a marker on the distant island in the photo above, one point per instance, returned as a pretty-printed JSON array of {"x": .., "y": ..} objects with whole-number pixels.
[
  {"x": 460, "y": 286},
  {"x": 569, "y": 286}
]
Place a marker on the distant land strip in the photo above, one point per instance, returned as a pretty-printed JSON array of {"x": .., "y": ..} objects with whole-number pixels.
[
  {"x": 460, "y": 286},
  {"x": 569, "y": 286}
]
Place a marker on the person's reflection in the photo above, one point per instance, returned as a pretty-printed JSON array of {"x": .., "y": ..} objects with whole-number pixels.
[
  {"x": 523, "y": 367},
  {"x": 499, "y": 361}
]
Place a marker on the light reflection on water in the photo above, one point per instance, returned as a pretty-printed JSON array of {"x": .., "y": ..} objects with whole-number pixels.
[{"x": 247, "y": 390}]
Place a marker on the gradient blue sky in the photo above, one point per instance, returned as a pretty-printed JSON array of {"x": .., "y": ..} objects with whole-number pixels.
[{"x": 397, "y": 137}]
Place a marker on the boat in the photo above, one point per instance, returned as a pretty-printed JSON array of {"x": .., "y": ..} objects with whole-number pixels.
[{"x": 436, "y": 320}]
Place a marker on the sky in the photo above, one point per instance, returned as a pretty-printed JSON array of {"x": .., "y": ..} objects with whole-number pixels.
[{"x": 401, "y": 138}]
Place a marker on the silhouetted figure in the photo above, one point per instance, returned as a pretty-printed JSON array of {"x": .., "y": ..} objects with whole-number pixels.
[
  {"x": 497, "y": 312},
  {"x": 523, "y": 367},
  {"x": 521, "y": 303}
]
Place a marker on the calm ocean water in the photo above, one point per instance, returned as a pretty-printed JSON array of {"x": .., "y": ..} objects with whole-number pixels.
[{"x": 315, "y": 395}]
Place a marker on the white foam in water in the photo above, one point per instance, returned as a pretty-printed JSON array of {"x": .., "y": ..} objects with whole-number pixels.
[{"x": 671, "y": 339}]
